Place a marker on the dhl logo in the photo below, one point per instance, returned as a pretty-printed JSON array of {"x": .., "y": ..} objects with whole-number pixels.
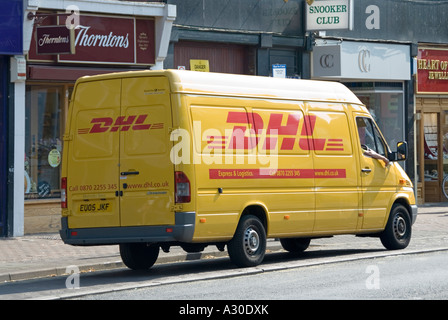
[
  {"x": 243, "y": 137},
  {"x": 121, "y": 123}
]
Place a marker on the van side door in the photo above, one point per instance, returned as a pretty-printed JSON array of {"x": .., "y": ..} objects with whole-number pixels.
[
  {"x": 377, "y": 180},
  {"x": 335, "y": 169}
]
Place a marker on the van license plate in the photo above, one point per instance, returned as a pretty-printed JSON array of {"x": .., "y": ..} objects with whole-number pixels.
[{"x": 95, "y": 207}]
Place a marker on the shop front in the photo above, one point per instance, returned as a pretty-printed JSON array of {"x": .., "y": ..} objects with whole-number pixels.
[
  {"x": 103, "y": 43},
  {"x": 238, "y": 53},
  {"x": 238, "y": 36},
  {"x": 379, "y": 74},
  {"x": 431, "y": 98}
]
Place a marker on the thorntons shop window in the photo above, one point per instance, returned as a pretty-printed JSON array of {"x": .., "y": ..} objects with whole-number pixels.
[{"x": 44, "y": 121}]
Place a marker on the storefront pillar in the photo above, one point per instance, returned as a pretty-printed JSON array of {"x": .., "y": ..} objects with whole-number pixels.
[
  {"x": 17, "y": 224},
  {"x": 163, "y": 26}
]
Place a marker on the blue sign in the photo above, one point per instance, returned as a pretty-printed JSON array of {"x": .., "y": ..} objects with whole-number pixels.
[
  {"x": 279, "y": 70},
  {"x": 11, "y": 25}
]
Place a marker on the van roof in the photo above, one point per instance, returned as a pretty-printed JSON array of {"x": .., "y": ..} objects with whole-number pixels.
[{"x": 183, "y": 81}]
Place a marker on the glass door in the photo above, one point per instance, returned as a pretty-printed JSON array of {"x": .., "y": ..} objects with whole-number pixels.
[
  {"x": 444, "y": 147},
  {"x": 433, "y": 156}
]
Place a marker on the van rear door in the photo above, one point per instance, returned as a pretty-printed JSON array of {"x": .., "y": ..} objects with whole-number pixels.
[
  {"x": 146, "y": 173},
  {"x": 93, "y": 155}
]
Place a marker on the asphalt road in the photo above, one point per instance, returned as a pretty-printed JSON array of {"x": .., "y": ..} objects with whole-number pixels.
[
  {"x": 343, "y": 267},
  {"x": 413, "y": 276}
]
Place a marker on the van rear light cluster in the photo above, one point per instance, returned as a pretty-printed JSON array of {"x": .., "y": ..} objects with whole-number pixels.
[
  {"x": 182, "y": 189},
  {"x": 64, "y": 193}
]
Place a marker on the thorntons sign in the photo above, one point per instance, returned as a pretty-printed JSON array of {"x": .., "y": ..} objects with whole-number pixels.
[
  {"x": 106, "y": 40},
  {"x": 54, "y": 40},
  {"x": 113, "y": 40}
]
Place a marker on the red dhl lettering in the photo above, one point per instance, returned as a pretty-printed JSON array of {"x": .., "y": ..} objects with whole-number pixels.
[
  {"x": 121, "y": 123},
  {"x": 249, "y": 128}
]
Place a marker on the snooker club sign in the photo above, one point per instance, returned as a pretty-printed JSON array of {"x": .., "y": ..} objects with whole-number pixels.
[{"x": 329, "y": 15}]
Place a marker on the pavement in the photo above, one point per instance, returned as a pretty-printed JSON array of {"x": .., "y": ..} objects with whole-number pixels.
[{"x": 45, "y": 255}]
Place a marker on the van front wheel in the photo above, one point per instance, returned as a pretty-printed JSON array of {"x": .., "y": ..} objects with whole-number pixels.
[
  {"x": 139, "y": 256},
  {"x": 248, "y": 246},
  {"x": 397, "y": 233}
]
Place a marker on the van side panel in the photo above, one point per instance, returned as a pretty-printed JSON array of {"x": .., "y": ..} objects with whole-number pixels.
[
  {"x": 336, "y": 169},
  {"x": 238, "y": 141},
  {"x": 93, "y": 155},
  {"x": 146, "y": 171}
]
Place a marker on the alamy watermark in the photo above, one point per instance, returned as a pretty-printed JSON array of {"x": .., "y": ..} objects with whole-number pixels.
[
  {"x": 73, "y": 280},
  {"x": 373, "y": 280},
  {"x": 72, "y": 21}
]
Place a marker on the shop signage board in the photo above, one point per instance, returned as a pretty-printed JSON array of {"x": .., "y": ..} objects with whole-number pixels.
[
  {"x": 107, "y": 40},
  {"x": 55, "y": 40},
  {"x": 329, "y": 15},
  {"x": 362, "y": 60},
  {"x": 432, "y": 71}
]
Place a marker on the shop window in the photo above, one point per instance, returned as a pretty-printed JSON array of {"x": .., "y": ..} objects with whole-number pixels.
[
  {"x": 44, "y": 122},
  {"x": 385, "y": 101}
]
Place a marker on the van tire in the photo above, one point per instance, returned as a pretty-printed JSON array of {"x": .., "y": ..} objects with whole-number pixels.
[
  {"x": 139, "y": 256},
  {"x": 295, "y": 245},
  {"x": 248, "y": 246},
  {"x": 397, "y": 233}
]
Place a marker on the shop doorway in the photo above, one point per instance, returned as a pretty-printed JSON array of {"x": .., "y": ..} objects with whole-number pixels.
[{"x": 432, "y": 148}]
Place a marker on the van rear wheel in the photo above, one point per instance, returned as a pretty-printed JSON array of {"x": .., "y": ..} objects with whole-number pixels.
[
  {"x": 295, "y": 245},
  {"x": 248, "y": 246},
  {"x": 139, "y": 256},
  {"x": 397, "y": 233}
]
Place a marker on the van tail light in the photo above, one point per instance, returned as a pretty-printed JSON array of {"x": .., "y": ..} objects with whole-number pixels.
[
  {"x": 64, "y": 193},
  {"x": 182, "y": 189}
]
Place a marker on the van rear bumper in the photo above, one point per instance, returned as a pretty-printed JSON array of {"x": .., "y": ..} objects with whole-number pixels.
[{"x": 181, "y": 231}]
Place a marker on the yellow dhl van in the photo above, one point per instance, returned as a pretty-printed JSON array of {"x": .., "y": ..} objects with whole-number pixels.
[{"x": 154, "y": 159}]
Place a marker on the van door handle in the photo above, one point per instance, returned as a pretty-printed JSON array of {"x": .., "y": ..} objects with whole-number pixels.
[
  {"x": 128, "y": 173},
  {"x": 366, "y": 170}
]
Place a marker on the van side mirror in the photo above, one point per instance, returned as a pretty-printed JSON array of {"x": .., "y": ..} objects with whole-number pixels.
[{"x": 402, "y": 152}]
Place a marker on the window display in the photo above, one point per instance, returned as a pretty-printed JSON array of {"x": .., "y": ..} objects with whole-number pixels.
[{"x": 43, "y": 141}]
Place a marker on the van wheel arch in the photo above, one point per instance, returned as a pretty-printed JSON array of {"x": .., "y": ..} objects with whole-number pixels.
[{"x": 259, "y": 212}]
